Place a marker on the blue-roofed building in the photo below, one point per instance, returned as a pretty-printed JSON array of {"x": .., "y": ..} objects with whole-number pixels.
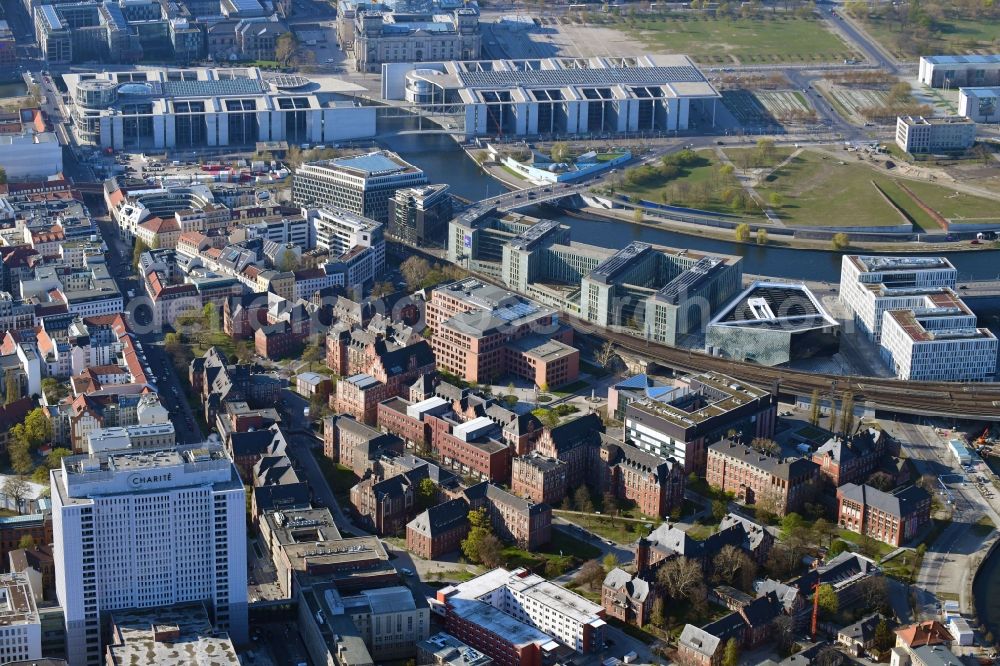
[
  {"x": 242, "y": 9},
  {"x": 361, "y": 185},
  {"x": 957, "y": 71}
]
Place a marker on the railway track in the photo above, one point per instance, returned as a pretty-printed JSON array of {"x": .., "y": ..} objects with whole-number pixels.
[{"x": 976, "y": 401}]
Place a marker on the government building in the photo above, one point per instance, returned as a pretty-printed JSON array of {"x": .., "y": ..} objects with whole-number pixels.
[
  {"x": 547, "y": 96},
  {"x": 194, "y": 108}
]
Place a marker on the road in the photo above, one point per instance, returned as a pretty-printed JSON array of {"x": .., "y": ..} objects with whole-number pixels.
[
  {"x": 171, "y": 390},
  {"x": 946, "y": 570}
]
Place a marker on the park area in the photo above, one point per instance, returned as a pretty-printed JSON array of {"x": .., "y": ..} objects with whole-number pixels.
[
  {"x": 820, "y": 189},
  {"x": 938, "y": 27},
  {"x": 711, "y": 40},
  {"x": 707, "y": 38}
]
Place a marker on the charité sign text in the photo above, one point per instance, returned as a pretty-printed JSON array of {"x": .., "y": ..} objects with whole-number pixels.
[{"x": 141, "y": 479}]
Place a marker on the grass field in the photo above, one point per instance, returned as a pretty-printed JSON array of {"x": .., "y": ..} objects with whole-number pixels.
[
  {"x": 778, "y": 155},
  {"x": 692, "y": 175},
  {"x": 618, "y": 530},
  {"x": 824, "y": 192},
  {"x": 955, "y": 35},
  {"x": 711, "y": 40},
  {"x": 951, "y": 204},
  {"x": 820, "y": 191}
]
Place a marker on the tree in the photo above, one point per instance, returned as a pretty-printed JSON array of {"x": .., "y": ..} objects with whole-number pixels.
[
  {"x": 610, "y": 562},
  {"x": 783, "y": 633},
  {"x": 37, "y": 427},
  {"x": 479, "y": 529},
  {"x": 719, "y": 510},
  {"x": 658, "y": 615},
  {"x": 791, "y": 524},
  {"x": 828, "y": 602},
  {"x": 837, "y": 547},
  {"x": 560, "y": 152},
  {"x": 814, "y": 408},
  {"x": 20, "y": 455},
  {"x": 581, "y": 497},
  {"x": 3, "y": 176},
  {"x": 638, "y": 215},
  {"x": 762, "y": 237},
  {"x": 927, "y": 482},
  {"x": 382, "y": 289},
  {"x": 27, "y": 542},
  {"x": 775, "y": 200},
  {"x": 13, "y": 393},
  {"x": 285, "y": 48},
  {"x": 590, "y": 574},
  {"x": 16, "y": 488},
  {"x": 732, "y": 654},
  {"x": 415, "y": 271},
  {"x": 426, "y": 494},
  {"x": 140, "y": 247},
  {"x": 609, "y": 505},
  {"x": 605, "y": 356},
  {"x": 823, "y": 530},
  {"x": 490, "y": 551},
  {"x": 312, "y": 353},
  {"x": 875, "y": 593},
  {"x": 680, "y": 577},
  {"x": 840, "y": 241},
  {"x": 733, "y": 566},
  {"x": 765, "y": 445},
  {"x": 847, "y": 413},
  {"x": 742, "y": 232},
  {"x": 54, "y": 390},
  {"x": 287, "y": 261},
  {"x": 832, "y": 423},
  {"x": 884, "y": 638}
]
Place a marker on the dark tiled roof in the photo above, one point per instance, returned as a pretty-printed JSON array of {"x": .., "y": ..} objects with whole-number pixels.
[
  {"x": 781, "y": 468},
  {"x": 582, "y": 430},
  {"x": 899, "y": 504},
  {"x": 444, "y": 517}
]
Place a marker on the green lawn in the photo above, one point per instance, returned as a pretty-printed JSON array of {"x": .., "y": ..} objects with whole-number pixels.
[
  {"x": 711, "y": 40},
  {"x": 778, "y": 155},
  {"x": 692, "y": 176},
  {"x": 917, "y": 214},
  {"x": 880, "y": 549},
  {"x": 951, "y": 204},
  {"x": 820, "y": 191},
  {"x": 954, "y": 35},
  {"x": 618, "y": 530},
  {"x": 555, "y": 558},
  {"x": 607, "y": 157},
  {"x": 700, "y": 532}
]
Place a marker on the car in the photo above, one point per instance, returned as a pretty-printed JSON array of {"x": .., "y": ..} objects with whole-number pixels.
[
  {"x": 405, "y": 571},
  {"x": 977, "y": 242}
]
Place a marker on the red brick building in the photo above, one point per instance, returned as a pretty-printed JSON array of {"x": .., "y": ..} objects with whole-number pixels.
[
  {"x": 574, "y": 442},
  {"x": 356, "y": 445},
  {"x": 514, "y": 519},
  {"x": 892, "y": 518},
  {"x": 386, "y": 505},
  {"x": 38, "y": 526},
  {"x": 359, "y": 396},
  {"x": 756, "y": 478},
  {"x": 852, "y": 459},
  {"x": 439, "y": 530},
  {"x": 654, "y": 484},
  {"x": 539, "y": 478},
  {"x": 627, "y": 598},
  {"x": 482, "y": 332},
  {"x": 471, "y": 447},
  {"x": 243, "y": 315}
]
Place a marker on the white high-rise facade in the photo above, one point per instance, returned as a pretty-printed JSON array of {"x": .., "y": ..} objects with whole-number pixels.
[{"x": 140, "y": 529}]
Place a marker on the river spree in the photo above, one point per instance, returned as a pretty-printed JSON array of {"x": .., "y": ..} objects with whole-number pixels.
[{"x": 444, "y": 161}]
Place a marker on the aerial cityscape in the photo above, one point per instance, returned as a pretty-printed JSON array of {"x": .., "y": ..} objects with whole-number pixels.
[{"x": 499, "y": 332}]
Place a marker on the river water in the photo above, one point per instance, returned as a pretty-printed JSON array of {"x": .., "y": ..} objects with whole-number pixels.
[{"x": 444, "y": 161}]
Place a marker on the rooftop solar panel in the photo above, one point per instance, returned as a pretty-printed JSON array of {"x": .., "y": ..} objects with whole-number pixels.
[
  {"x": 375, "y": 163},
  {"x": 220, "y": 88}
]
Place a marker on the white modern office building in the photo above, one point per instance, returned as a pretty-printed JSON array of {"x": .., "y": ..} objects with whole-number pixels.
[
  {"x": 193, "y": 108},
  {"x": 30, "y": 155},
  {"x": 938, "y": 341},
  {"x": 956, "y": 71},
  {"x": 362, "y": 184},
  {"x": 979, "y": 104},
  {"x": 145, "y": 529},
  {"x": 943, "y": 134},
  {"x": 871, "y": 285},
  {"x": 648, "y": 93},
  {"x": 357, "y": 241},
  {"x": 20, "y": 625}
]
